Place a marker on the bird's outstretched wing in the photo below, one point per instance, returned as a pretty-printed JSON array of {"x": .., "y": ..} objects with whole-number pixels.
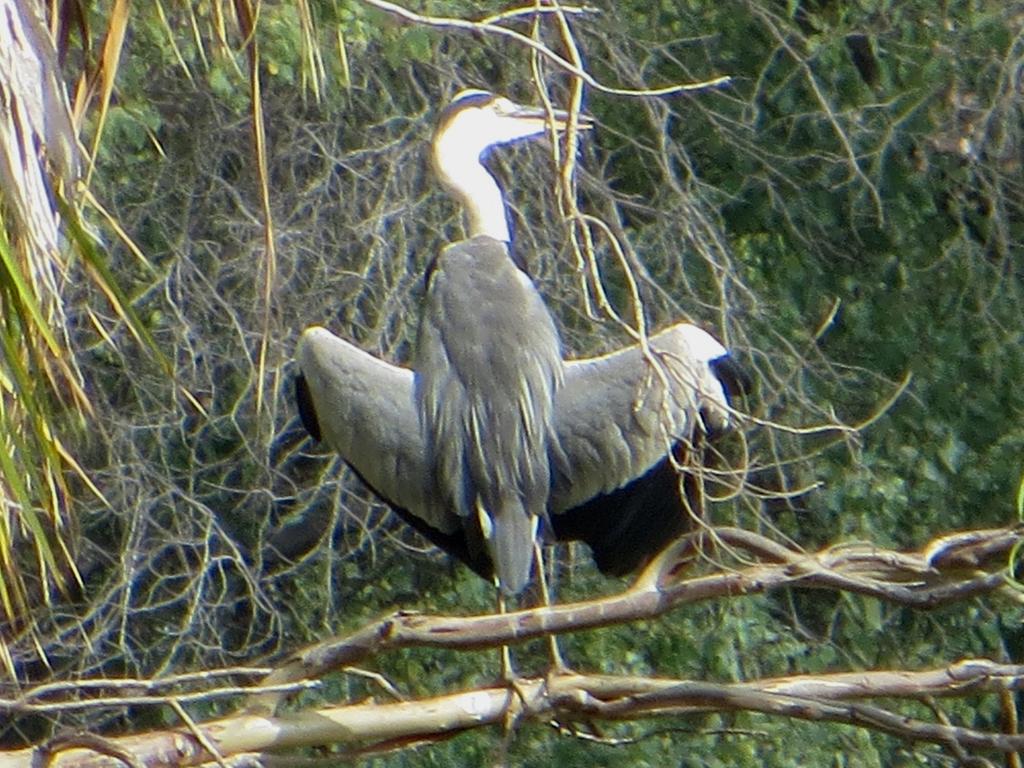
[{"x": 617, "y": 417}]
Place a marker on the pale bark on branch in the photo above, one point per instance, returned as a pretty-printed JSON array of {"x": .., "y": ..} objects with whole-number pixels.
[
  {"x": 571, "y": 698},
  {"x": 950, "y": 568}
]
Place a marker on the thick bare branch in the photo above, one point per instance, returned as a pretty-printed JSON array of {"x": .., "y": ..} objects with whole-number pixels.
[
  {"x": 370, "y": 726},
  {"x": 898, "y": 577}
]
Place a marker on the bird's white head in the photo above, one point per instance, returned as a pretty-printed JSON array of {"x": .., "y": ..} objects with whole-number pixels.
[{"x": 474, "y": 122}]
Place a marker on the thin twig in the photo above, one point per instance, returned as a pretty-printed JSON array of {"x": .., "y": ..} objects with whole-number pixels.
[{"x": 448, "y": 22}]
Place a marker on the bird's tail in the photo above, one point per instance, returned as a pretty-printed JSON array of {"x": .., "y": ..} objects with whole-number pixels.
[{"x": 512, "y": 534}]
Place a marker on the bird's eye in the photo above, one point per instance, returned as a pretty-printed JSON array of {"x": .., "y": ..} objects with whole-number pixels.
[{"x": 503, "y": 106}]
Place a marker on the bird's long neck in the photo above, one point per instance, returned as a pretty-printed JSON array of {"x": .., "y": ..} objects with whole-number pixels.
[
  {"x": 484, "y": 205},
  {"x": 475, "y": 188}
]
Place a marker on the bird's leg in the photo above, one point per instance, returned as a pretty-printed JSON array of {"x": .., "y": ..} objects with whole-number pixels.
[
  {"x": 558, "y": 665},
  {"x": 507, "y": 672}
]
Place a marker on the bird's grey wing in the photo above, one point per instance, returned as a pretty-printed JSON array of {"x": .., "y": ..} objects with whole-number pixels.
[
  {"x": 365, "y": 411},
  {"x": 612, "y": 479},
  {"x": 616, "y": 418},
  {"x": 621, "y": 420}
]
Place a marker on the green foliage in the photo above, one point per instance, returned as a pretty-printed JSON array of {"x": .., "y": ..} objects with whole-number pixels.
[{"x": 808, "y": 185}]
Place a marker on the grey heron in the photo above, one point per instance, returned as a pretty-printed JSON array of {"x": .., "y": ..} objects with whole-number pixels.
[
  {"x": 488, "y": 356},
  {"x": 614, "y": 482},
  {"x": 490, "y": 434}
]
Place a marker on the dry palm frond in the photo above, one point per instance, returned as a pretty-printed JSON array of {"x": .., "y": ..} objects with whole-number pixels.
[
  {"x": 38, "y": 162},
  {"x": 41, "y": 388}
]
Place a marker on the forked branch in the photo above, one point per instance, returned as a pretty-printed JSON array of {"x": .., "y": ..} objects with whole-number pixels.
[
  {"x": 367, "y": 727},
  {"x": 948, "y": 569}
]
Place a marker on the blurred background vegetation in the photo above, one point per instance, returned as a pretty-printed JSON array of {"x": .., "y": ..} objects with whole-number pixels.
[{"x": 846, "y": 212}]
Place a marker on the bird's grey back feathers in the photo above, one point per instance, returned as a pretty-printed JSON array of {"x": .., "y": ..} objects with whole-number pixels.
[{"x": 487, "y": 369}]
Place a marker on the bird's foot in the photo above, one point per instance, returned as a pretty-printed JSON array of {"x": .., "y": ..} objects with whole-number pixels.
[{"x": 558, "y": 665}]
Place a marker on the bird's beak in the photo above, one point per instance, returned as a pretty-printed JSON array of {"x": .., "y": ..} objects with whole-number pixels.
[{"x": 558, "y": 117}]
